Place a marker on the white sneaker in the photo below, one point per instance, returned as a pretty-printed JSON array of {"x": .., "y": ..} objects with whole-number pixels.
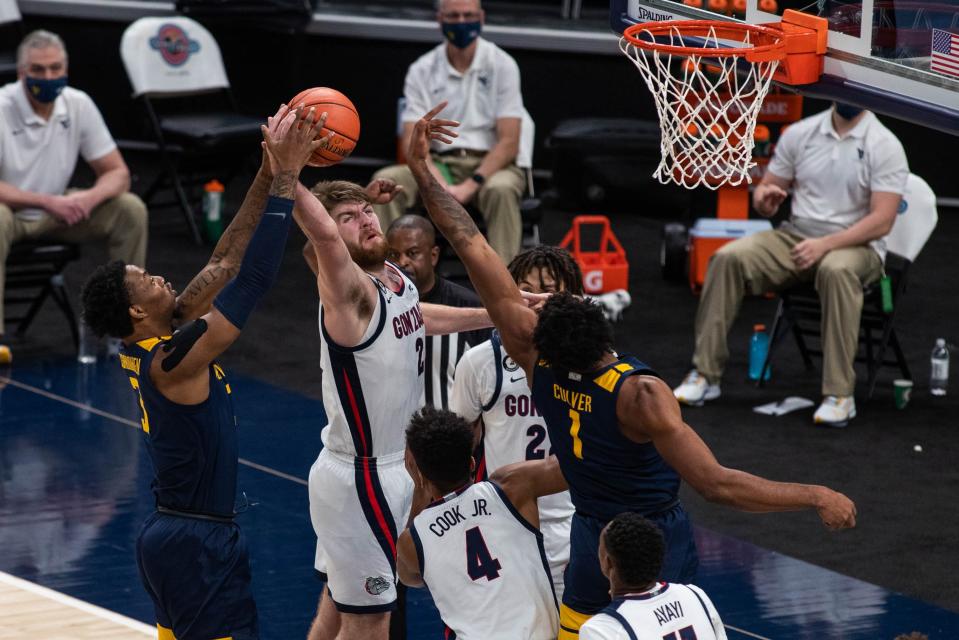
[
  {"x": 835, "y": 411},
  {"x": 695, "y": 390}
]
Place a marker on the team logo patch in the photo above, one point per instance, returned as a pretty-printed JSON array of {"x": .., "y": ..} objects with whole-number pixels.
[
  {"x": 509, "y": 364},
  {"x": 173, "y": 44},
  {"x": 376, "y": 585}
]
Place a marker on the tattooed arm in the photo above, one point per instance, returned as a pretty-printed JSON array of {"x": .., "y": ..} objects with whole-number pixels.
[
  {"x": 489, "y": 275},
  {"x": 224, "y": 263}
]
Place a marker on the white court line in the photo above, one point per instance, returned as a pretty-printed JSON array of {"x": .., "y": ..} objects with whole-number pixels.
[
  {"x": 135, "y": 425},
  {"x": 64, "y": 599},
  {"x": 254, "y": 465}
]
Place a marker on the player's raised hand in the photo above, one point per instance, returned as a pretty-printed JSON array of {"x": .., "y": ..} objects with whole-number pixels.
[
  {"x": 836, "y": 510},
  {"x": 293, "y": 140},
  {"x": 427, "y": 129},
  {"x": 383, "y": 190}
]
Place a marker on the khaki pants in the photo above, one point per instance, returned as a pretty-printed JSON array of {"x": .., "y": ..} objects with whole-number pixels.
[
  {"x": 760, "y": 263},
  {"x": 121, "y": 221},
  {"x": 497, "y": 200}
]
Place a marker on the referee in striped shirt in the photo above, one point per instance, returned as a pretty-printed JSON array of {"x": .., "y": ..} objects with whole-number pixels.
[{"x": 413, "y": 249}]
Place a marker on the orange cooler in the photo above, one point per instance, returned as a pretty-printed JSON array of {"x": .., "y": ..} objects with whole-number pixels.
[{"x": 708, "y": 235}]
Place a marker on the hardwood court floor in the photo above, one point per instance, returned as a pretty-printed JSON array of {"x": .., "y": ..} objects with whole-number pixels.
[{"x": 28, "y": 610}]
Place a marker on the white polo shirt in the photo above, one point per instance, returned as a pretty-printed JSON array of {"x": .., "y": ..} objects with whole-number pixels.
[
  {"x": 487, "y": 91},
  {"x": 40, "y": 155},
  {"x": 833, "y": 178}
]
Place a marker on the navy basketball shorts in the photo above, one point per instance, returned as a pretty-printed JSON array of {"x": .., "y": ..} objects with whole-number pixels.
[
  {"x": 197, "y": 573},
  {"x": 587, "y": 590}
]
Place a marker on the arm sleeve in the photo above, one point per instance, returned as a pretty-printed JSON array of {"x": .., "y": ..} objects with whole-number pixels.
[
  {"x": 470, "y": 391},
  {"x": 509, "y": 97},
  {"x": 260, "y": 265},
  {"x": 889, "y": 168},
  {"x": 95, "y": 138}
]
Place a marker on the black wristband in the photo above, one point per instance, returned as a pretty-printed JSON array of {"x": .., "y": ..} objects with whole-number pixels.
[{"x": 478, "y": 178}]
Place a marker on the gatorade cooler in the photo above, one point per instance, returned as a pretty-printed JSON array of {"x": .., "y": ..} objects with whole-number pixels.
[
  {"x": 708, "y": 235},
  {"x": 603, "y": 270}
]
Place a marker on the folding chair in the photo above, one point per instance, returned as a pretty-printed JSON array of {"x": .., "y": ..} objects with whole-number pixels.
[
  {"x": 11, "y": 33},
  {"x": 530, "y": 207},
  {"x": 35, "y": 273},
  {"x": 799, "y": 310},
  {"x": 174, "y": 62}
]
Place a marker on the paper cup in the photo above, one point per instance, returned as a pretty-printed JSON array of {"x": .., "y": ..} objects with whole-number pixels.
[{"x": 903, "y": 390}]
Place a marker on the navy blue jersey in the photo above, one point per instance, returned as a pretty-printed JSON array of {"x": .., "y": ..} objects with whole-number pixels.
[
  {"x": 607, "y": 472},
  {"x": 193, "y": 447}
]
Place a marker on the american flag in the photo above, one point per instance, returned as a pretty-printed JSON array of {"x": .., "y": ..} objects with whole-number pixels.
[{"x": 945, "y": 52}]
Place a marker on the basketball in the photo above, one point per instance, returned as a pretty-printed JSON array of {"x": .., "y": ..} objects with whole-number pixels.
[{"x": 342, "y": 119}]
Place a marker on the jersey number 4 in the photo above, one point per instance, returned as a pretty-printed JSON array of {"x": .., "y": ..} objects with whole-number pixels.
[
  {"x": 479, "y": 562},
  {"x": 686, "y": 633}
]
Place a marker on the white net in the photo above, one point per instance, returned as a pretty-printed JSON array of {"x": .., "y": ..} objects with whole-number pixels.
[{"x": 707, "y": 107}]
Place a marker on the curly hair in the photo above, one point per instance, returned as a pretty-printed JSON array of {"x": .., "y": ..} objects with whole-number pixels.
[
  {"x": 572, "y": 334},
  {"x": 106, "y": 301},
  {"x": 442, "y": 444},
  {"x": 636, "y": 547},
  {"x": 334, "y": 192},
  {"x": 556, "y": 261}
]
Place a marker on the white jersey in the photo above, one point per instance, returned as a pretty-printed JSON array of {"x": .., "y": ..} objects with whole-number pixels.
[
  {"x": 370, "y": 391},
  {"x": 489, "y": 383},
  {"x": 485, "y": 566},
  {"x": 672, "y": 611}
]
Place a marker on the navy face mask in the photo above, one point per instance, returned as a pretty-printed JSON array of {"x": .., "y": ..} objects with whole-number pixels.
[
  {"x": 461, "y": 34},
  {"x": 847, "y": 111},
  {"x": 45, "y": 90}
]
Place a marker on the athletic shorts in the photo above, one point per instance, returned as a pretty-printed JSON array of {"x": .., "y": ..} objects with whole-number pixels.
[
  {"x": 556, "y": 541},
  {"x": 358, "y": 507},
  {"x": 587, "y": 590},
  {"x": 197, "y": 573}
]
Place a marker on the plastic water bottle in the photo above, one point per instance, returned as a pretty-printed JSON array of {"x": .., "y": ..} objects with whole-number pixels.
[
  {"x": 758, "y": 348},
  {"x": 212, "y": 210},
  {"x": 87, "y": 349},
  {"x": 939, "y": 370}
]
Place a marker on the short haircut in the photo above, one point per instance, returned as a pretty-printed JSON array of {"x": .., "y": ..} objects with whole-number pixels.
[
  {"x": 334, "y": 192},
  {"x": 442, "y": 444},
  {"x": 572, "y": 333},
  {"x": 411, "y": 221},
  {"x": 439, "y": 4},
  {"x": 106, "y": 301},
  {"x": 636, "y": 547},
  {"x": 554, "y": 260},
  {"x": 39, "y": 39}
]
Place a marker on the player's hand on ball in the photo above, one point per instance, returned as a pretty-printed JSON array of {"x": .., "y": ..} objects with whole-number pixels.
[
  {"x": 429, "y": 128},
  {"x": 383, "y": 190},
  {"x": 293, "y": 140},
  {"x": 836, "y": 510}
]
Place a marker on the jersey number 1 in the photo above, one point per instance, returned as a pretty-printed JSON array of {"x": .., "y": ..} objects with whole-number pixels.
[
  {"x": 479, "y": 562},
  {"x": 686, "y": 633}
]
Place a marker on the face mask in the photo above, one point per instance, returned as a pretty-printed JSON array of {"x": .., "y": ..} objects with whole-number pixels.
[
  {"x": 847, "y": 111},
  {"x": 461, "y": 34},
  {"x": 44, "y": 90}
]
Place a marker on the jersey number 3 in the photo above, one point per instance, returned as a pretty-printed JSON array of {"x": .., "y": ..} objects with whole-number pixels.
[{"x": 479, "y": 562}]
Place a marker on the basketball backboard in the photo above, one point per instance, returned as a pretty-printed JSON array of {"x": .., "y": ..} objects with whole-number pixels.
[{"x": 895, "y": 57}]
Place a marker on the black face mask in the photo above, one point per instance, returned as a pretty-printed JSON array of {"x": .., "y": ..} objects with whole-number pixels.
[{"x": 847, "y": 111}]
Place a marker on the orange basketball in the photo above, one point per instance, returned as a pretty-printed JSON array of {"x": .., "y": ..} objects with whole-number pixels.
[{"x": 342, "y": 119}]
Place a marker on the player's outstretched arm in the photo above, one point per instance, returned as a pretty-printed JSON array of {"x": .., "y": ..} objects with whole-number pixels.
[
  {"x": 224, "y": 262},
  {"x": 524, "y": 482},
  {"x": 493, "y": 283},
  {"x": 647, "y": 410},
  {"x": 184, "y": 359}
]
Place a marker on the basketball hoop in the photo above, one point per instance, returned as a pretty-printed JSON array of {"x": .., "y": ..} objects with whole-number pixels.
[{"x": 709, "y": 79}]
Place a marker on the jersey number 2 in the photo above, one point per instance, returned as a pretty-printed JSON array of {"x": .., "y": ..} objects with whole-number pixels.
[
  {"x": 420, "y": 357},
  {"x": 537, "y": 434},
  {"x": 686, "y": 633},
  {"x": 479, "y": 562}
]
